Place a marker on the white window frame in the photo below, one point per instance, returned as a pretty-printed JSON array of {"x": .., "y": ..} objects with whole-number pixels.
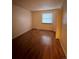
[{"x": 45, "y": 16}]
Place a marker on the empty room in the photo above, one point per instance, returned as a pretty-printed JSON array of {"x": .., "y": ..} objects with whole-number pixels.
[{"x": 39, "y": 29}]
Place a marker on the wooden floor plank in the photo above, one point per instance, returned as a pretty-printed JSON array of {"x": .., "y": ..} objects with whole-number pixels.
[{"x": 37, "y": 44}]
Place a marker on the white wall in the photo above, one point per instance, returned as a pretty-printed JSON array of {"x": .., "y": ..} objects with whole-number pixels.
[{"x": 21, "y": 21}]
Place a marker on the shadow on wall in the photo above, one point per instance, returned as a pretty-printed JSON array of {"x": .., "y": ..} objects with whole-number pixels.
[{"x": 21, "y": 18}]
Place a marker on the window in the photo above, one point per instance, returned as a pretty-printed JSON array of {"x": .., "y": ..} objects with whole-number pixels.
[{"x": 47, "y": 18}]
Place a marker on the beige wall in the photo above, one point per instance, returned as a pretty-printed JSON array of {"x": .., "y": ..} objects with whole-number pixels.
[
  {"x": 61, "y": 27},
  {"x": 64, "y": 29},
  {"x": 37, "y": 18},
  {"x": 21, "y": 21},
  {"x": 63, "y": 39},
  {"x": 59, "y": 24}
]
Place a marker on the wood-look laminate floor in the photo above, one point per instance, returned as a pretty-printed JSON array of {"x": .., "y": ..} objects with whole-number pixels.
[{"x": 37, "y": 44}]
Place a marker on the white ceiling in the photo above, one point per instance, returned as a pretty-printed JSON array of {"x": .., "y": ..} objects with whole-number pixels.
[{"x": 35, "y": 5}]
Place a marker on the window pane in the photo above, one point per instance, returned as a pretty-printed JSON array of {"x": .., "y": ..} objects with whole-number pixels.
[{"x": 47, "y": 18}]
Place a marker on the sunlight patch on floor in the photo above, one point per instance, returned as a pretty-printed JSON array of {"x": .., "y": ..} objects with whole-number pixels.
[{"x": 46, "y": 40}]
